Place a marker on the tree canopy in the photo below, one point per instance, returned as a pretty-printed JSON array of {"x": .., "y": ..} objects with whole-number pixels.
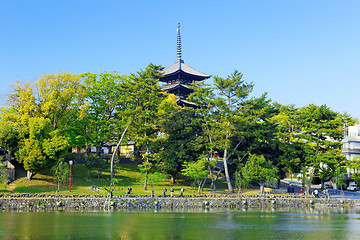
[{"x": 251, "y": 135}]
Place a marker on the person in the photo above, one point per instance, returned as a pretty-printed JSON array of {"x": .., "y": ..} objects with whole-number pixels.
[
  {"x": 316, "y": 193},
  {"x": 171, "y": 191},
  {"x": 182, "y": 192},
  {"x": 326, "y": 193},
  {"x": 129, "y": 190},
  {"x": 301, "y": 192},
  {"x": 165, "y": 192}
]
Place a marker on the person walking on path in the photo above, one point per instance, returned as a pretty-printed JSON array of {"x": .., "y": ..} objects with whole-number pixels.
[
  {"x": 165, "y": 192},
  {"x": 171, "y": 191},
  {"x": 182, "y": 192},
  {"x": 316, "y": 193},
  {"x": 301, "y": 192},
  {"x": 129, "y": 190}
]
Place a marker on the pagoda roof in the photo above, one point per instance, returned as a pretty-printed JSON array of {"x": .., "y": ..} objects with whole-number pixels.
[
  {"x": 179, "y": 65},
  {"x": 175, "y": 85},
  {"x": 184, "y": 102}
]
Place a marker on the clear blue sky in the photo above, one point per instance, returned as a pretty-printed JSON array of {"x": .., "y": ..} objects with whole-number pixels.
[{"x": 299, "y": 51}]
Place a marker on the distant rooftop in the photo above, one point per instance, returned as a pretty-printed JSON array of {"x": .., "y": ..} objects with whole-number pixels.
[{"x": 181, "y": 66}]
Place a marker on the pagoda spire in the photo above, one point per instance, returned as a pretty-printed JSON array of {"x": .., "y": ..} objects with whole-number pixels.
[{"x": 178, "y": 44}]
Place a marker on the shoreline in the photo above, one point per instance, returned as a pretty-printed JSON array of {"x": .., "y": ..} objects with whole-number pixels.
[{"x": 42, "y": 202}]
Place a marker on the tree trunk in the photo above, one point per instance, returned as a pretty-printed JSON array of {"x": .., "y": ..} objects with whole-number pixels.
[
  {"x": 262, "y": 183},
  {"x": 146, "y": 179},
  {"x": 278, "y": 183},
  {"x": 88, "y": 177},
  {"x": 216, "y": 177},
  {"x": 8, "y": 154},
  {"x": 231, "y": 190},
  {"x": 98, "y": 151},
  {"x": 203, "y": 183},
  {"x": 199, "y": 188},
  {"x": 152, "y": 190},
  {"x": 212, "y": 186},
  {"x": 172, "y": 179},
  {"x": 87, "y": 149},
  {"x": 29, "y": 175},
  {"x": 116, "y": 149}
]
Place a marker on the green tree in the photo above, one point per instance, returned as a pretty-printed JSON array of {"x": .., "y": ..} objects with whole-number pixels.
[
  {"x": 148, "y": 98},
  {"x": 196, "y": 171},
  {"x": 42, "y": 148},
  {"x": 41, "y": 114},
  {"x": 137, "y": 108},
  {"x": 4, "y": 174},
  {"x": 181, "y": 140},
  {"x": 257, "y": 168},
  {"x": 233, "y": 91},
  {"x": 60, "y": 171},
  {"x": 292, "y": 155},
  {"x": 94, "y": 162},
  {"x": 255, "y": 132},
  {"x": 103, "y": 94},
  {"x": 320, "y": 131},
  {"x": 9, "y": 135},
  {"x": 60, "y": 98},
  {"x": 328, "y": 163},
  {"x": 155, "y": 177},
  {"x": 235, "y": 125}
]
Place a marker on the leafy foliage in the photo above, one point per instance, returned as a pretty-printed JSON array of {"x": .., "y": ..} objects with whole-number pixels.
[
  {"x": 257, "y": 168},
  {"x": 181, "y": 140},
  {"x": 196, "y": 171},
  {"x": 61, "y": 171},
  {"x": 4, "y": 175}
]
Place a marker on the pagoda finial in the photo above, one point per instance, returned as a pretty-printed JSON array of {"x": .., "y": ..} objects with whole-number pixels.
[{"x": 178, "y": 43}]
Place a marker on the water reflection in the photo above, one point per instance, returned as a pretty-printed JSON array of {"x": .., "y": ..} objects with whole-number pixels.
[{"x": 204, "y": 223}]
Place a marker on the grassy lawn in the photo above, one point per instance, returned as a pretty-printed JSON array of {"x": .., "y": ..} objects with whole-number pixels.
[{"x": 128, "y": 175}]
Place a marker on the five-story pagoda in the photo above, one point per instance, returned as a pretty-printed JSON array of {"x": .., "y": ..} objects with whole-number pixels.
[{"x": 179, "y": 76}]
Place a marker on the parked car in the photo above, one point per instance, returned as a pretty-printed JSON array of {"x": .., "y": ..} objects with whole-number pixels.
[{"x": 352, "y": 187}]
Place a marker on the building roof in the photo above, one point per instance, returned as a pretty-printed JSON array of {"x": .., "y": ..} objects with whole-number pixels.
[
  {"x": 180, "y": 101},
  {"x": 350, "y": 139},
  {"x": 174, "y": 86},
  {"x": 181, "y": 66}
]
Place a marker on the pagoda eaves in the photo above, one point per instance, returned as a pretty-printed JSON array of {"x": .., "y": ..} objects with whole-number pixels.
[{"x": 180, "y": 76}]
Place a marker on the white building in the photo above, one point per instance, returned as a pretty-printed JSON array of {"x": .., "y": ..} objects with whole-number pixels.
[{"x": 351, "y": 143}]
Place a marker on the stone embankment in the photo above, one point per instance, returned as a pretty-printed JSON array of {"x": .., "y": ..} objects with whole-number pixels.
[{"x": 32, "y": 202}]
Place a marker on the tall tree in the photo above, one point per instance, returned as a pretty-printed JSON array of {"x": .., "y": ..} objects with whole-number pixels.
[
  {"x": 103, "y": 96},
  {"x": 137, "y": 108},
  {"x": 42, "y": 112},
  {"x": 181, "y": 140},
  {"x": 255, "y": 132},
  {"x": 292, "y": 155},
  {"x": 60, "y": 98},
  {"x": 320, "y": 130},
  {"x": 148, "y": 98},
  {"x": 233, "y": 91},
  {"x": 233, "y": 124}
]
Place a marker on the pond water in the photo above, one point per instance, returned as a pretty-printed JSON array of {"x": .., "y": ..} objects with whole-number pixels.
[{"x": 203, "y": 224}]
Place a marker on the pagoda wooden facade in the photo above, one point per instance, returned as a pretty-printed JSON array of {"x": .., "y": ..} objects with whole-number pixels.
[{"x": 179, "y": 76}]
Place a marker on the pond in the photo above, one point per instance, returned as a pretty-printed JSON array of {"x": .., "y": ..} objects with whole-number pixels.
[{"x": 201, "y": 224}]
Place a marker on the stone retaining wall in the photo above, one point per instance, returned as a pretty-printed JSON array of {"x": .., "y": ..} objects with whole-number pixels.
[{"x": 26, "y": 202}]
